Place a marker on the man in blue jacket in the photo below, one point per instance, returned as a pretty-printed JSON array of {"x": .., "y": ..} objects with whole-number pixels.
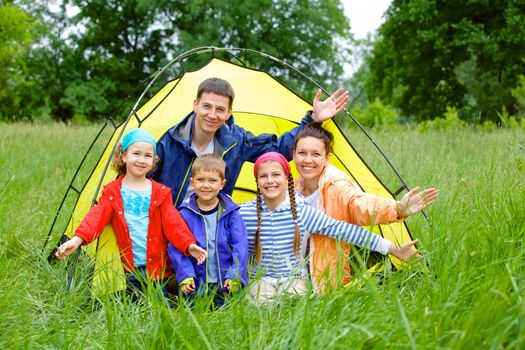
[{"x": 210, "y": 128}]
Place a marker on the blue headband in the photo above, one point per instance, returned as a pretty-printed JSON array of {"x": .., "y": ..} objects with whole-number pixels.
[{"x": 138, "y": 135}]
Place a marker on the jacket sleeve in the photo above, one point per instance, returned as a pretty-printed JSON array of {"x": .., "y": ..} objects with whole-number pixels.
[
  {"x": 174, "y": 227},
  {"x": 317, "y": 222},
  {"x": 362, "y": 208},
  {"x": 181, "y": 264},
  {"x": 98, "y": 217},
  {"x": 255, "y": 146},
  {"x": 239, "y": 243}
]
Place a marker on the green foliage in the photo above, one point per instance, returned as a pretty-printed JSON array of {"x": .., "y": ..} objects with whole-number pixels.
[
  {"x": 437, "y": 54},
  {"x": 15, "y": 39},
  {"x": 519, "y": 94},
  {"x": 450, "y": 121},
  {"x": 469, "y": 296},
  {"x": 87, "y": 61},
  {"x": 376, "y": 114}
]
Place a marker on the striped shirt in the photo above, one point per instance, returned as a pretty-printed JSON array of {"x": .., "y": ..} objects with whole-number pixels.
[{"x": 278, "y": 260}]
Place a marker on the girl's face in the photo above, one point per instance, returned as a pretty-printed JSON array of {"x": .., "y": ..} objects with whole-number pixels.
[
  {"x": 310, "y": 157},
  {"x": 272, "y": 182},
  {"x": 139, "y": 159}
]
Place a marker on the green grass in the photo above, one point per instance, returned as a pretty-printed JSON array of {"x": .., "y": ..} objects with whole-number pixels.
[{"x": 471, "y": 296}]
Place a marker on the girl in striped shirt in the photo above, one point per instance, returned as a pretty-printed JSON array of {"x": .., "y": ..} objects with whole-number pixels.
[{"x": 278, "y": 224}]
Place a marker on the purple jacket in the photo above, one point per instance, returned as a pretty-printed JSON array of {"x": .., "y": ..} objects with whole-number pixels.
[{"x": 231, "y": 240}]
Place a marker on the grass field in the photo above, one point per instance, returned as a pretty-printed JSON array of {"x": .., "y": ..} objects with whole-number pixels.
[{"x": 470, "y": 297}]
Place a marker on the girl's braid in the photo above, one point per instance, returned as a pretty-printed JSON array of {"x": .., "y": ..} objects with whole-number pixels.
[
  {"x": 297, "y": 235},
  {"x": 258, "y": 247}
]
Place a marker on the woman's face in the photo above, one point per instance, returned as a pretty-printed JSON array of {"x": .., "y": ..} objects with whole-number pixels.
[
  {"x": 272, "y": 181},
  {"x": 310, "y": 157}
]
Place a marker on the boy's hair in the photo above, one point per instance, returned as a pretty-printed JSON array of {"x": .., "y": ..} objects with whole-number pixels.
[
  {"x": 315, "y": 130},
  {"x": 297, "y": 233},
  {"x": 120, "y": 166},
  {"x": 209, "y": 162},
  {"x": 216, "y": 86}
]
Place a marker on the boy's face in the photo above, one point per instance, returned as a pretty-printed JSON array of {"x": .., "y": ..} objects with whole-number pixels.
[{"x": 207, "y": 184}]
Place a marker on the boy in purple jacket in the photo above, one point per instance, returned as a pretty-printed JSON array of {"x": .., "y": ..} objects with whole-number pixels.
[{"x": 214, "y": 220}]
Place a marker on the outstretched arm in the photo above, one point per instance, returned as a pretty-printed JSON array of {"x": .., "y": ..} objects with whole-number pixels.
[
  {"x": 327, "y": 109},
  {"x": 413, "y": 202},
  {"x": 67, "y": 248}
]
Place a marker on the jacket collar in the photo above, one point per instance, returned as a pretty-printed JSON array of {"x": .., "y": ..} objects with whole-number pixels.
[
  {"x": 183, "y": 133},
  {"x": 225, "y": 201},
  {"x": 329, "y": 175},
  {"x": 158, "y": 191}
]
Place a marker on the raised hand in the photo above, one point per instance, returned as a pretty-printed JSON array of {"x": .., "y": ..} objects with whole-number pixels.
[
  {"x": 323, "y": 110},
  {"x": 406, "y": 251},
  {"x": 198, "y": 253},
  {"x": 414, "y": 201}
]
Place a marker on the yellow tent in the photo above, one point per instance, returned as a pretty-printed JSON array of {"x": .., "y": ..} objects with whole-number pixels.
[{"x": 262, "y": 105}]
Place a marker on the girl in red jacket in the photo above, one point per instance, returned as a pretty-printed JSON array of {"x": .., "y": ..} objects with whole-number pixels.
[{"x": 141, "y": 213}]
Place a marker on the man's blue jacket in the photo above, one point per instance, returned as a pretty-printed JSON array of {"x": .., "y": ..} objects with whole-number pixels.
[{"x": 234, "y": 144}]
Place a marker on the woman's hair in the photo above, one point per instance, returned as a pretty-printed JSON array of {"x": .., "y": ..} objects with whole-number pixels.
[
  {"x": 297, "y": 234},
  {"x": 317, "y": 131},
  {"x": 118, "y": 164}
]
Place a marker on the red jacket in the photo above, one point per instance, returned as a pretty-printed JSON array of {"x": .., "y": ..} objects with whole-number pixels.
[{"x": 165, "y": 224}]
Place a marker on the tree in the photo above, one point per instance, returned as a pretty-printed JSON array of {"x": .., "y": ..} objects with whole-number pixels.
[
  {"x": 90, "y": 54},
  {"x": 436, "y": 54},
  {"x": 311, "y": 35},
  {"x": 15, "y": 39}
]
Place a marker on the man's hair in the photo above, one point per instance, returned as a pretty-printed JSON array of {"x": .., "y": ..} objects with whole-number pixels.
[
  {"x": 216, "y": 86},
  {"x": 209, "y": 162}
]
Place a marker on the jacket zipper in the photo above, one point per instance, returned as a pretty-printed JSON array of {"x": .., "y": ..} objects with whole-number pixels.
[{"x": 183, "y": 182}]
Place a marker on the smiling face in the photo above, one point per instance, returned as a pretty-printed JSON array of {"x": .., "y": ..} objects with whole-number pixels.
[
  {"x": 310, "y": 157},
  {"x": 207, "y": 184},
  {"x": 272, "y": 182},
  {"x": 211, "y": 111},
  {"x": 139, "y": 159}
]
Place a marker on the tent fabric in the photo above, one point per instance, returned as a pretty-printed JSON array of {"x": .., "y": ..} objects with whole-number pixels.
[{"x": 261, "y": 105}]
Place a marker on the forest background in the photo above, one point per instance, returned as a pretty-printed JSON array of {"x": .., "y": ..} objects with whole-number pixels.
[{"x": 451, "y": 62}]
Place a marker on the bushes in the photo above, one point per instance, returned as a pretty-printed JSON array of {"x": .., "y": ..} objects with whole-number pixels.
[{"x": 376, "y": 114}]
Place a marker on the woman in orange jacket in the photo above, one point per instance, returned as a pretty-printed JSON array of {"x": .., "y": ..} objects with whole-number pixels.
[{"x": 333, "y": 192}]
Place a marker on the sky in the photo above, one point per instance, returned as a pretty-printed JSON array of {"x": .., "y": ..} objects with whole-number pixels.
[{"x": 365, "y": 15}]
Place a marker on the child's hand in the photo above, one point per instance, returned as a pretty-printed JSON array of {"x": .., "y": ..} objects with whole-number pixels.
[
  {"x": 68, "y": 247},
  {"x": 198, "y": 253},
  {"x": 188, "y": 285},
  {"x": 233, "y": 286},
  {"x": 405, "y": 252}
]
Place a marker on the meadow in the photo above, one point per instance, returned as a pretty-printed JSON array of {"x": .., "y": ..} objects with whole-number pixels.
[{"x": 467, "y": 293}]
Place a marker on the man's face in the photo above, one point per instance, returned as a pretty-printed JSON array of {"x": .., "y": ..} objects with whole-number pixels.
[{"x": 212, "y": 112}]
